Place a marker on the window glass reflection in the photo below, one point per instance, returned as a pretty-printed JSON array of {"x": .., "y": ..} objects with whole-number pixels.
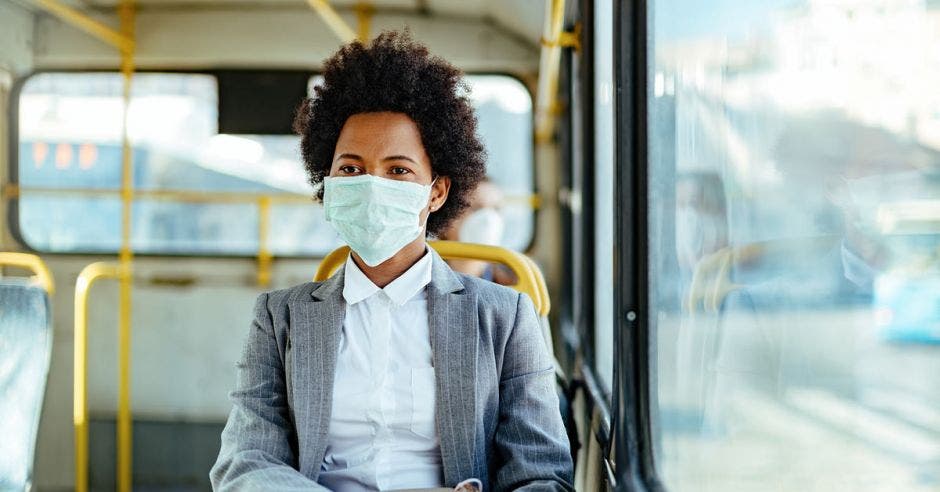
[{"x": 795, "y": 184}]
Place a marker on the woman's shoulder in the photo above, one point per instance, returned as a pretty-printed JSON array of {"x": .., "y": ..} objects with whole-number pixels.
[
  {"x": 489, "y": 292},
  {"x": 281, "y": 297}
]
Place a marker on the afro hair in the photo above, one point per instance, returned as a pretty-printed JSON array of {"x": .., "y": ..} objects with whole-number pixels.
[{"x": 394, "y": 73}]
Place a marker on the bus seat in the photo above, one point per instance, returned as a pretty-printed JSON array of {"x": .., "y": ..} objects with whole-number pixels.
[
  {"x": 25, "y": 351},
  {"x": 522, "y": 267},
  {"x": 531, "y": 281}
]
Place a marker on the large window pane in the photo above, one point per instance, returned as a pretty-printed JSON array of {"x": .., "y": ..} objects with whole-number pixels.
[
  {"x": 795, "y": 244},
  {"x": 604, "y": 193},
  {"x": 199, "y": 191}
]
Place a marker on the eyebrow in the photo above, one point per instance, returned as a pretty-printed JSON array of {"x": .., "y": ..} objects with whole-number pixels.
[
  {"x": 389, "y": 158},
  {"x": 349, "y": 156},
  {"x": 399, "y": 158}
]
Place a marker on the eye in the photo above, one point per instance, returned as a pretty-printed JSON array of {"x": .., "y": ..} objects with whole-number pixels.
[
  {"x": 400, "y": 170},
  {"x": 348, "y": 169}
]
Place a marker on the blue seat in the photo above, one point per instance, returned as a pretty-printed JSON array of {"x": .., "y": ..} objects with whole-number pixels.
[{"x": 25, "y": 350}]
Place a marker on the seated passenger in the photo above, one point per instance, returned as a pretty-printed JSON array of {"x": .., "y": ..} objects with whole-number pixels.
[
  {"x": 397, "y": 372},
  {"x": 481, "y": 223}
]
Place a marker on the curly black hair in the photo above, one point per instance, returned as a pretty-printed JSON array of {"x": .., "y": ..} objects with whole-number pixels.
[{"x": 396, "y": 74}]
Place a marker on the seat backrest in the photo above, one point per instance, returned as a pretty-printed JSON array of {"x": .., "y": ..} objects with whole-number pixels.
[
  {"x": 520, "y": 265},
  {"x": 530, "y": 278},
  {"x": 25, "y": 349}
]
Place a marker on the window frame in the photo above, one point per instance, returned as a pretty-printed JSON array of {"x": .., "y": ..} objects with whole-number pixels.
[
  {"x": 11, "y": 193},
  {"x": 634, "y": 466}
]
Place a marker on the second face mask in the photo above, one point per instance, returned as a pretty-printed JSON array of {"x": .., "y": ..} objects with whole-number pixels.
[{"x": 375, "y": 216}]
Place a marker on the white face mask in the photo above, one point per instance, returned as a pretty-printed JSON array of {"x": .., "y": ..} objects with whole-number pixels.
[
  {"x": 376, "y": 217},
  {"x": 483, "y": 226}
]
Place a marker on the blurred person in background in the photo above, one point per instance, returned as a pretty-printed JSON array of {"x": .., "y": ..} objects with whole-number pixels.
[
  {"x": 481, "y": 223},
  {"x": 701, "y": 219}
]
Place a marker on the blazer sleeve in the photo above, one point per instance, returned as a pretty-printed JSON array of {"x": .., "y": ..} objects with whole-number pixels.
[
  {"x": 530, "y": 436},
  {"x": 256, "y": 452}
]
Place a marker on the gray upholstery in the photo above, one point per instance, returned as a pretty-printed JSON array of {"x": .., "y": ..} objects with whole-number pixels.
[{"x": 25, "y": 349}]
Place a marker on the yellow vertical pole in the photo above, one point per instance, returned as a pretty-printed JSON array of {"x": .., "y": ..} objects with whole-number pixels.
[
  {"x": 364, "y": 11},
  {"x": 264, "y": 253},
  {"x": 80, "y": 385},
  {"x": 126, "y": 13},
  {"x": 86, "y": 278}
]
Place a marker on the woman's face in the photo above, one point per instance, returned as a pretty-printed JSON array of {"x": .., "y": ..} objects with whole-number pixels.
[{"x": 387, "y": 145}]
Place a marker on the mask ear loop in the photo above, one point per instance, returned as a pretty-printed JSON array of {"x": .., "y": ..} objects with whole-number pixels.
[{"x": 433, "y": 209}]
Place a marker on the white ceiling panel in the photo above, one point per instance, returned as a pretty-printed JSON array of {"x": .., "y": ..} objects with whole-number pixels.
[
  {"x": 521, "y": 17},
  {"x": 339, "y": 4}
]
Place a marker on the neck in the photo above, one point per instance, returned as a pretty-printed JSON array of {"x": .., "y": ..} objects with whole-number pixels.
[{"x": 384, "y": 273}]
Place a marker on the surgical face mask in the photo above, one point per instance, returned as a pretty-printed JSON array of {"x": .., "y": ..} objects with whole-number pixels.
[
  {"x": 483, "y": 226},
  {"x": 376, "y": 217}
]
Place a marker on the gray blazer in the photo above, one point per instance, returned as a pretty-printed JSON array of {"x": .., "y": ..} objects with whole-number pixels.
[{"x": 497, "y": 410}]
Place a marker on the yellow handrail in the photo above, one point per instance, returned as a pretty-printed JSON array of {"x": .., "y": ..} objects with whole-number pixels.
[
  {"x": 32, "y": 263},
  {"x": 542, "y": 287},
  {"x": 86, "y": 278},
  {"x": 81, "y": 21},
  {"x": 332, "y": 19},
  {"x": 520, "y": 265},
  {"x": 554, "y": 38}
]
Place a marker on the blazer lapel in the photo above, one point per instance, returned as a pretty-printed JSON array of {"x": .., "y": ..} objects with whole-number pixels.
[
  {"x": 316, "y": 324},
  {"x": 453, "y": 326}
]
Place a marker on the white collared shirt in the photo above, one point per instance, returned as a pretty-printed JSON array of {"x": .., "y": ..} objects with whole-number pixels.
[{"x": 382, "y": 433}]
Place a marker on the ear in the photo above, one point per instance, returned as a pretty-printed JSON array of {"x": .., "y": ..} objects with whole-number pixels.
[{"x": 439, "y": 192}]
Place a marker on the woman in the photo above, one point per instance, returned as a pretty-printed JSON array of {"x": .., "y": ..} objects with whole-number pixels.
[
  {"x": 481, "y": 223},
  {"x": 396, "y": 373}
]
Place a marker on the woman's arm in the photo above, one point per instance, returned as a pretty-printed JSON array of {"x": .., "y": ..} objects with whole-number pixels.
[
  {"x": 256, "y": 449},
  {"x": 530, "y": 436}
]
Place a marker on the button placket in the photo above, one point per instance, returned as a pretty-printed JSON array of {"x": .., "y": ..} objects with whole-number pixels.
[{"x": 385, "y": 400}]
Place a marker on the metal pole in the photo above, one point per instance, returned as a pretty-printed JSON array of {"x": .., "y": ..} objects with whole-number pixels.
[{"x": 126, "y": 13}]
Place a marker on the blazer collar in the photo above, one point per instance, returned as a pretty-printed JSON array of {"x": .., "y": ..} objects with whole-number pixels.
[
  {"x": 331, "y": 288},
  {"x": 454, "y": 339},
  {"x": 443, "y": 279}
]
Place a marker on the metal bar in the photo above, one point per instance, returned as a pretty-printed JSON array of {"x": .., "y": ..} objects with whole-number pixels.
[
  {"x": 549, "y": 63},
  {"x": 264, "y": 253},
  {"x": 127, "y": 14},
  {"x": 364, "y": 13},
  {"x": 32, "y": 263},
  {"x": 11, "y": 190},
  {"x": 85, "y": 23},
  {"x": 516, "y": 262},
  {"x": 86, "y": 278},
  {"x": 332, "y": 19}
]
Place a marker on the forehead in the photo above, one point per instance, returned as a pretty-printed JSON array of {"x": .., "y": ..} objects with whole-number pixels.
[{"x": 380, "y": 131}]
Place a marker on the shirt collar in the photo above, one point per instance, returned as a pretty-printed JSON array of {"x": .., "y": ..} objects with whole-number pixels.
[{"x": 358, "y": 287}]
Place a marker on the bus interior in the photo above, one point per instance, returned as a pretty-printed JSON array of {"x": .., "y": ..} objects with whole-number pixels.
[{"x": 727, "y": 215}]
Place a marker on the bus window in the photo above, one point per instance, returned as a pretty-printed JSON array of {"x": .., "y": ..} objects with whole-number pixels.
[
  {"x": 69, "y": 166},
  {"x": 604, "y": 247},
  {"x": 794, "y": 181},
  {"x": 198, "y": 191},
  {"x": 504, "y": 110}
]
